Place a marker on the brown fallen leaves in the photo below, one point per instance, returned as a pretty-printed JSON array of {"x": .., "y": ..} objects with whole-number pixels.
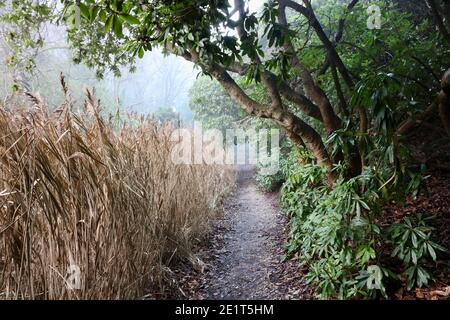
[{"x": 433, "y": 200}]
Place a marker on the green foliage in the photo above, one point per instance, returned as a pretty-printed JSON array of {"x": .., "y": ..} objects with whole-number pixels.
[
  {"x": 338, "y": 234},
  {"x": 380, "y": 93},
  {"x": 269, "y": 182},
  {"x": 127, "y": 30},
  {"x": 164, "y": 115},
  {"x": 397, "y": 72},
  {"x": 333, "y": 229},
  {"x": 212, "y": 106},
  {"x": 413, "y": 245},
  {"x": 21, "y": 24},
  {"x": 273, "y": 182}
]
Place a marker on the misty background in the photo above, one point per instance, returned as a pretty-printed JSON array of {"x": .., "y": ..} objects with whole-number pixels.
[{"x": 160, "y": 82}]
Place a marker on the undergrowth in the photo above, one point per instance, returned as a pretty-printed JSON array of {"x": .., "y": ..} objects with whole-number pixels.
[{"x": 338, "y": 235}]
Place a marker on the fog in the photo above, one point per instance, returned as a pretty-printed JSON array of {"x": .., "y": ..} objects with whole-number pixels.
[{"x": 160, "y": 81}]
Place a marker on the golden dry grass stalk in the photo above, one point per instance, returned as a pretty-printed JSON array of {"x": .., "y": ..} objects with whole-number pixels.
[{"x": 101, "y": 195}]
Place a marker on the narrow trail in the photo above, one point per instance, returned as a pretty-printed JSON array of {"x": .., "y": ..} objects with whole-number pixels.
[{"x": 245, "y": 256}]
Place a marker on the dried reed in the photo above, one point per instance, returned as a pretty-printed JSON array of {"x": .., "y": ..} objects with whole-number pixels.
[{"x": 78, "y": 193}]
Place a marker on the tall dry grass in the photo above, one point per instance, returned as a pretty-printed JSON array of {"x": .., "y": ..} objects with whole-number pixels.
[{"x": 78, "y": 191}]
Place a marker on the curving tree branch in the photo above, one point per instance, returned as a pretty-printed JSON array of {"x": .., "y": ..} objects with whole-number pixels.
[{"x": 439, "y": 20}]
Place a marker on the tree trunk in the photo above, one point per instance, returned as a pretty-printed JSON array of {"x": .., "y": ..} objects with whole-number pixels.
[
  {"x": 436, "y": 9},
  {"x": 297, "y": 130},
  {"x": 444, "y": 102}
]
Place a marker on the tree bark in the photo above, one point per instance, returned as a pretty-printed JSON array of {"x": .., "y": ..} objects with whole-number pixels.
[
  {"x": 305, "y": 105},
  {"x": 444, "y": 102},
  {"x": 297, "y": 129},
  {"x": 408, "y": 125},
  {"x": 330, "y": 120},
  {"x": 333, "y": 55},
  {"x": 439, "y": 20}
]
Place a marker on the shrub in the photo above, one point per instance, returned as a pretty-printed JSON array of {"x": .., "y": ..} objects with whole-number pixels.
[
  {"x": 337, "y": 233},
  {"x": 413, "y": 245},
  {"x": 333, "y": 229},
  {"x": 270, "y": 183}
]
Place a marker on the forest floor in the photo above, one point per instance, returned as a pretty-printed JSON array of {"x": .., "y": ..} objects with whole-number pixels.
[
  {"x": 244, "y": 256},
  {"x": 433, "y": 200}
]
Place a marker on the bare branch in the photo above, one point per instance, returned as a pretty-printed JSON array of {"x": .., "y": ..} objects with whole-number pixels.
[
  {"x": 439, "y": 20},
  {"x": 339, "y": 35},
  {"x": 317, "y": 95},
  {"x": 308, "y": 12}
]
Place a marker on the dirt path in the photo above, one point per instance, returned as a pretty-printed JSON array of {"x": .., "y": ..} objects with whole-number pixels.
[{"x": 244, "y": 259}]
